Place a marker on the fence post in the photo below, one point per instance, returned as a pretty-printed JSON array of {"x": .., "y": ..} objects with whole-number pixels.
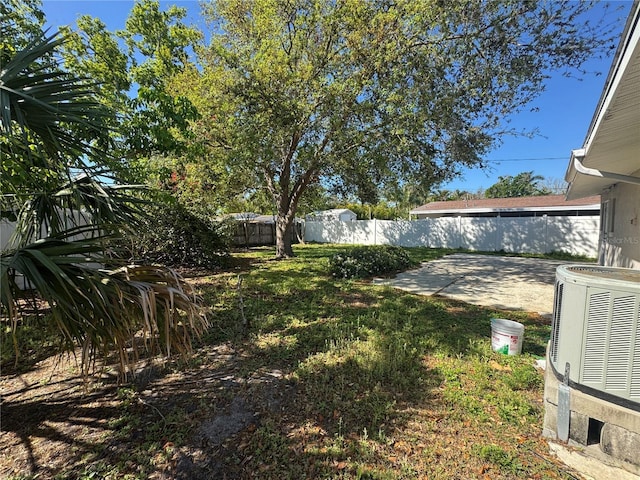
[
  {"x": 546, "y": 233},
  {"x": 375, "y": 232}
]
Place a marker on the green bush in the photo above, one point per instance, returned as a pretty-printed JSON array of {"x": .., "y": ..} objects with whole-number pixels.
[
  {"x": 361, "y": 262},
  {"x": 175, "y": 237}
]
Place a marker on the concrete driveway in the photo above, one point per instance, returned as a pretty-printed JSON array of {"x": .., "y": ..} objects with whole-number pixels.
[{"x": 508, "y": 283}]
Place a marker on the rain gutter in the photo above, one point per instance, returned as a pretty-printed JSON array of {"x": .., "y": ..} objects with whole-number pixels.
[{"x": 578, "y": 156}]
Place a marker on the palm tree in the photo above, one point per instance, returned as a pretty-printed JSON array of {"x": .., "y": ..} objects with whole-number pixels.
[{"x": 57, "y": 185}]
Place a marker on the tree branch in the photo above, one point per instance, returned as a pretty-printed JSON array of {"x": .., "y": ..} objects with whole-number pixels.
[{"x": 268, "y": 177}]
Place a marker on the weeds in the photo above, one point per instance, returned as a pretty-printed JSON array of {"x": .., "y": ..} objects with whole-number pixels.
[
  {"x": 378, "y": 384},
  {"x": 366, "y": 261},
  {"x": 499, "y": 457}
]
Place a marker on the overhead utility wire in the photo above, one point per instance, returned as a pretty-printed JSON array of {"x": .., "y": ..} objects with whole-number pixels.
[{"x": 524, "y": 159}]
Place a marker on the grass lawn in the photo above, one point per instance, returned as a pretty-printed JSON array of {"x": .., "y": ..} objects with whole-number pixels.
[{"x": 300, "y": 376}]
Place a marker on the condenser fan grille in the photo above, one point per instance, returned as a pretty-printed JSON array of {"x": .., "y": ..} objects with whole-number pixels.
[{"x": 596, "y": 328}]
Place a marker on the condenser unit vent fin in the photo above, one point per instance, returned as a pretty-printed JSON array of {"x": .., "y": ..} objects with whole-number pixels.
[
  {"x": 596, "y": 341},
  {"x": 634, "y": 388},
  {"x": 557, "y": 313},
  {"x": 619, "y": 353}
]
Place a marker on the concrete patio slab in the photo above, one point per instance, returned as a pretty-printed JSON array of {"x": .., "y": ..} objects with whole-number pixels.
[{"x": 508, "y": 283}]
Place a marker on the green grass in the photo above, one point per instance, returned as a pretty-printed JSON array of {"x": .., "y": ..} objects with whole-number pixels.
[
  {"x": 380, "y": 384},
  {"x": 35, "y": 340},
  {"x": 375, "y": 368}
]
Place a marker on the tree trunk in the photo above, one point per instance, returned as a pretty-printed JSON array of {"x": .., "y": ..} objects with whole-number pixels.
[
  {"x": 287, "y": 199},
  {"x": 283, "y": 236}
]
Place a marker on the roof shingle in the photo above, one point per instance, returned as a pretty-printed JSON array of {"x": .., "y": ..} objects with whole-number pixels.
[{"x": 522, "y": 203}]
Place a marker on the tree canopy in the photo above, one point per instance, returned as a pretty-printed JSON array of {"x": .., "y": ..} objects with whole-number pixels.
[
  {"x": 364, "y": 95},
  {"x": 132, "y": 68},
  {"x": 359, "y": 98},
  {"x": 524, "y": 184}
]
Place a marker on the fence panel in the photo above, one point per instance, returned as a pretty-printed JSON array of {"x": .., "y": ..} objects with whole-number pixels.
[
  {"x": 362, "y": 233},
  {"x": 479, "y": 233},
  {"x": 69, "y": 218},
  {"x": 523, "y": 235},
  {"x": 402, "y": 233},
  {"x": 252, "y": 234},
  {"x": 313, "y": 232},
  {"x": 6, "y": 230},
  {"x": 331, "y": 231},
  {"x": 444, "y": 232},
  {"x": 576, "y": 235}
]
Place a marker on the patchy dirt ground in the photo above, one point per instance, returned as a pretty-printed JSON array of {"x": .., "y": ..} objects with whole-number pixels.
[
  {"x": 314, "y": 395},
  {"x": 54, "y": 423},
  {"x": 220, "y": 418},
  {"x": 170, "y": 421}
]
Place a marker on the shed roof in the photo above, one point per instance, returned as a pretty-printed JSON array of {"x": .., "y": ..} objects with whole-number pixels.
[
  {"x": 242, "y": 215},
  {"x": 514, "y": 204},
  {"x": 332, "y": 211}
]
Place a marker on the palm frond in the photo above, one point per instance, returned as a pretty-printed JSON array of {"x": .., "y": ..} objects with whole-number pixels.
[
  {"x": 52, "y": 135},
  {"x": 82, "y": 201},
  {"x": 44, "y": 102},
  {"x": 102, "y": 309}
]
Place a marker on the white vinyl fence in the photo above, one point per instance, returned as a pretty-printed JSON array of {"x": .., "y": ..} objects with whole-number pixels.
[
  {"x": 6, "y": 230},
  {"x": 575, "y": 235},
  {"x": 72, "y": 218}
]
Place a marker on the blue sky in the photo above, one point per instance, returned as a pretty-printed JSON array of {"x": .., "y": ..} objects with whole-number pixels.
[{"x": 561, "y": 115}]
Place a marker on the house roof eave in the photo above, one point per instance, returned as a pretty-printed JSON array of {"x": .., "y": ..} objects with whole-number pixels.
[
  {"x": 612, "y": 143},
  {"x": 558, "y": 208}
]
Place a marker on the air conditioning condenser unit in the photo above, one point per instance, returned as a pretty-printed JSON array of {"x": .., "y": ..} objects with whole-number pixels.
[{"x": 596, "y": 331}]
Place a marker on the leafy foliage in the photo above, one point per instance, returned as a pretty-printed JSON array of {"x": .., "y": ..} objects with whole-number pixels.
[
  {"x": 381, "y": 211},
  {"x": 22, "y": 22},
  {"x": 363, "y": 96},
  {"x": 365, "y": 261},
  {"x": 360, "y": 96},
  {"x": 156, "y": 43},
  {"x": 54, "y": 136},
  {"x": 524, "y": 184},
  {"x": 171, "y": 235},
  {"x": 136, "y": 70},
  {"x": 101, "y": 309}
]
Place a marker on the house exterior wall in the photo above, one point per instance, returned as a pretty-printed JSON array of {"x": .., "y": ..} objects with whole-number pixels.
[{"x": 620, "y": 226}]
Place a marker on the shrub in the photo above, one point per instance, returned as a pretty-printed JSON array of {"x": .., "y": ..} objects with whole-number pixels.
[
  {"x": 361, "y": 262},
  {"x": 175, "y": 237}
]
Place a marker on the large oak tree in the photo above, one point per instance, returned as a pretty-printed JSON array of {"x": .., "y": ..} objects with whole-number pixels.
[
  {"x": 363, "y": 94},
  {"x": 356, "y": 96}
]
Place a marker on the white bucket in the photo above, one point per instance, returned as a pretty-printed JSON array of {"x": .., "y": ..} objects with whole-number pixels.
[{"x": 506, "y": 336}]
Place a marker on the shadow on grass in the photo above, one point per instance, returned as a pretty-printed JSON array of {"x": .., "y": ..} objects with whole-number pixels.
[
  {"x": 37, "y": 422},
  {"x": 327, "y": 371},
  {"x": 66, "y": 428}
]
